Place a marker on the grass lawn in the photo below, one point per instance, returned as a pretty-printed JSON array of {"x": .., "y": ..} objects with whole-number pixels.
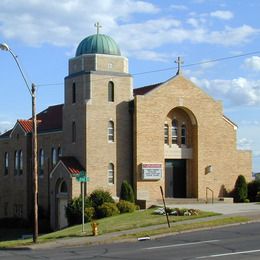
[{"x": 120, "y": 222}]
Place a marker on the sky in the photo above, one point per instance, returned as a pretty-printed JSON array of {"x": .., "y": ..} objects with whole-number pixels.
[{"x": 217, "y": 39}]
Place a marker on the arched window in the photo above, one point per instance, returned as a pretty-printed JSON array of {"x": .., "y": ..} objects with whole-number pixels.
[
  {"x": 6, "y": 163},
  {"x": 174, "y": 131},
  {"x": 111, "y": 173},
  {"x": 41, "y": 162},
  {"x": 20, "y": 162},
  {"x": 183, "y": 134},
  {"x": 166, "y": 134},
  {"x": 110, "y": 131},
  {"x": 59, "y": 153},
  {"x": 53, "y": 157},
  {"x": 73, "y": 137},
  {"x": 110, "y": 91},
  {"x": 74, "y": 92},
  {"x": 16, "y": 162},
  {"x": 63, "y": 187}
]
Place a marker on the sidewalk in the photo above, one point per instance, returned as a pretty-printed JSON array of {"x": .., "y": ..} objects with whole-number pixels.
[{"x": 250, "y": 210}]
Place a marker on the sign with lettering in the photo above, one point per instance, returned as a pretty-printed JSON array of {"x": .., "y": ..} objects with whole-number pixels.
[
  {"x": 81, "y": 177},
  {"x": 151, "y": 171}
]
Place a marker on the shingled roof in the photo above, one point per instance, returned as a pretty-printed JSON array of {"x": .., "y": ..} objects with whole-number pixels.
[
  {"x": 48, "y": 120},
  {"x": 72, "y": 164},
  {"x": 145, "y": 89}
]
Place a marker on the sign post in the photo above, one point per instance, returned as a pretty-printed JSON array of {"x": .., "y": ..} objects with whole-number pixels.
[{"x": 82, "y": 178}]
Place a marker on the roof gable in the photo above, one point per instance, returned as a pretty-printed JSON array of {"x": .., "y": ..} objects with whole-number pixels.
[{"x": 70, "y": 164}]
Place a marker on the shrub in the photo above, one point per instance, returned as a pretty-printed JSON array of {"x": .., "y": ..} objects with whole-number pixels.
[
  {"x": 258, "y": 196},
  {"x": 240, "y": 191},
  {"x": 99, "y": 197},
  {"x": 107, "y": 209},
  {"x": 253, "y": 187},
  {"x": 89, "y": 214},
  {"x": 74, "y": 211},
  {"x": 127, "y": 192},
  {"x": 126, "y": 206}
]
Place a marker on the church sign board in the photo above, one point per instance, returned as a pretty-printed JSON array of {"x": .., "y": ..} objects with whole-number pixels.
[{"x": 151, "y": 171}]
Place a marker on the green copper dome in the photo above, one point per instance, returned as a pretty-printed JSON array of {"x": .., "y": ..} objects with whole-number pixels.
[{"x": 98, "y": 43}]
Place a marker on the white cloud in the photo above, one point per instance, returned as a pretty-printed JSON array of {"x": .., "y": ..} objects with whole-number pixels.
[
  {"x": 5, "y": 125},
  {"x": 152, "y": 55},
  {"x": 250, "y": 123},
  {"x": 231, "y": 36},
  {"x": 244, "y": 144},
  {"x": 238, "y": 91},
  {"x": 223, "y": 15},
  {"x": 62, "y": 23},
  {"x": 253, "y": 63},
  {"x": 66, "y": 23},
  {"x": 179, "y": 7}
]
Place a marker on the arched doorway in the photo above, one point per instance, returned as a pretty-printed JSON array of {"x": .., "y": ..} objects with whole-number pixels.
[
  {"x": 180, "y": 146},
  {"x": 61, "y": 202}
]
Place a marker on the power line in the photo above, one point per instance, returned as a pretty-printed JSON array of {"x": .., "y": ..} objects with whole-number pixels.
[{"x": 171, "y": 68}]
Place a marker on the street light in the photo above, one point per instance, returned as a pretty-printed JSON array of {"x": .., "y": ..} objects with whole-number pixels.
[{"x": 32, "y": 91}]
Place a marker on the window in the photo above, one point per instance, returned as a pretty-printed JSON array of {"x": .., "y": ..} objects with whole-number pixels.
[
  {"x": 73, "y": 132},
  {"x": 174, "y": 131},
  {"x": 16, "y": 162},
  {"x": 110, "y": 91},
  {"x": 20, "y": 162},
  {"x": 166, "y": 134},
  {"x": 183, "y": 134},
  {"x": 18, "y": 210},
  {"x": 59, "y": 153},
  {"x": 110, "y": 131},
  {"x": 111, "y": 173},
  {"x": 63, "y": 187},
  {"x": 53, "y": 157},
  {"x": 74, "y": 92},
  {"x": 6, "y": 164},
  {"x": 41, "y": 162}
]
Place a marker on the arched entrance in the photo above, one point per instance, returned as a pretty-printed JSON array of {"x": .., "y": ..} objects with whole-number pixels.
[
  {"x": 180, "y": 146},
  {"x": 61, "y": 203}
]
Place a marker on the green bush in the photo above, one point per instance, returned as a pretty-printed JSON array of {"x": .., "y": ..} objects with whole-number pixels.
[
  {"x": 89, "y": 214},
  {"x": 258, "y": 196},
  {"x": 99, "y": 197},
  {"x": 107, "y": 209},
  {"x": 127, "y": 192},
  {"x": 253, "y": 187},
  {"x": 126, "y": 206},
  {"x": 74, "y": 211},
  {"x": 240, "y": 191}
]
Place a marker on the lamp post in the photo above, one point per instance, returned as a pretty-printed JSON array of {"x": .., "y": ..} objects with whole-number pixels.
[{"x": 32, "y": 91}]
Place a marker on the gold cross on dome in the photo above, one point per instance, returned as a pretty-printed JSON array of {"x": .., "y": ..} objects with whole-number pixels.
[
  {"x": 98, "y": 25},
  {"x": 179, "y": 61}
]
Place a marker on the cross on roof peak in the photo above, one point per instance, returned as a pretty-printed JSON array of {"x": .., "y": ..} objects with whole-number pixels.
[
  {"x": 98, "y": 26},
  {"x": 179, "y": 61}
]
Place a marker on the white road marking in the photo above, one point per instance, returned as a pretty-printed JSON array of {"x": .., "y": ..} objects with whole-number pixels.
[
  {"x": 235, "y": 253},
  {"x": 185, "y": 244}
]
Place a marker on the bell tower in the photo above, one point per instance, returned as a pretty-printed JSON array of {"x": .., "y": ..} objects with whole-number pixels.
[{"x": 96, "y": 118}]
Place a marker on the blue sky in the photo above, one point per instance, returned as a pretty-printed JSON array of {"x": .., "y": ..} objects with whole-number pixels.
[{"x": 45, "y": 34}]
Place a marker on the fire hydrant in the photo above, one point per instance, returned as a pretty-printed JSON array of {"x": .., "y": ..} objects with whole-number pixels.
[{"x": 94, "y": 226}]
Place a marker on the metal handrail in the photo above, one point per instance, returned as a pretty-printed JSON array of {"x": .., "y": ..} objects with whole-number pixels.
[{"x": 212, "y": 195}]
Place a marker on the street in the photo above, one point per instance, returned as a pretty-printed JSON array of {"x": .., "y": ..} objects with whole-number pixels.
[{"x": 236, "y": 242}]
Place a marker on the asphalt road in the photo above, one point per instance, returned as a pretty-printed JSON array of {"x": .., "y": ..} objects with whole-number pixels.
[{"x": 236, "y": 242}]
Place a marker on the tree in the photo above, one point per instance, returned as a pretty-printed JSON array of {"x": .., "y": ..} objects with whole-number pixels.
[
  {"x": 127, "y": 192},
  {"x": 240, "y": 191}
]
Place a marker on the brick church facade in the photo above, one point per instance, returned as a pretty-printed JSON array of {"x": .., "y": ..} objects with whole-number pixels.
[{"x": 170, "y": 134}]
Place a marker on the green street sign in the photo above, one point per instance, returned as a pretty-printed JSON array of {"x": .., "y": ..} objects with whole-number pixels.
[{"x": 82, "y": 177}]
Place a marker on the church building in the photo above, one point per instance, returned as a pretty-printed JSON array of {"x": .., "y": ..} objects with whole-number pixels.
[{"x": 170, "y": 134}]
